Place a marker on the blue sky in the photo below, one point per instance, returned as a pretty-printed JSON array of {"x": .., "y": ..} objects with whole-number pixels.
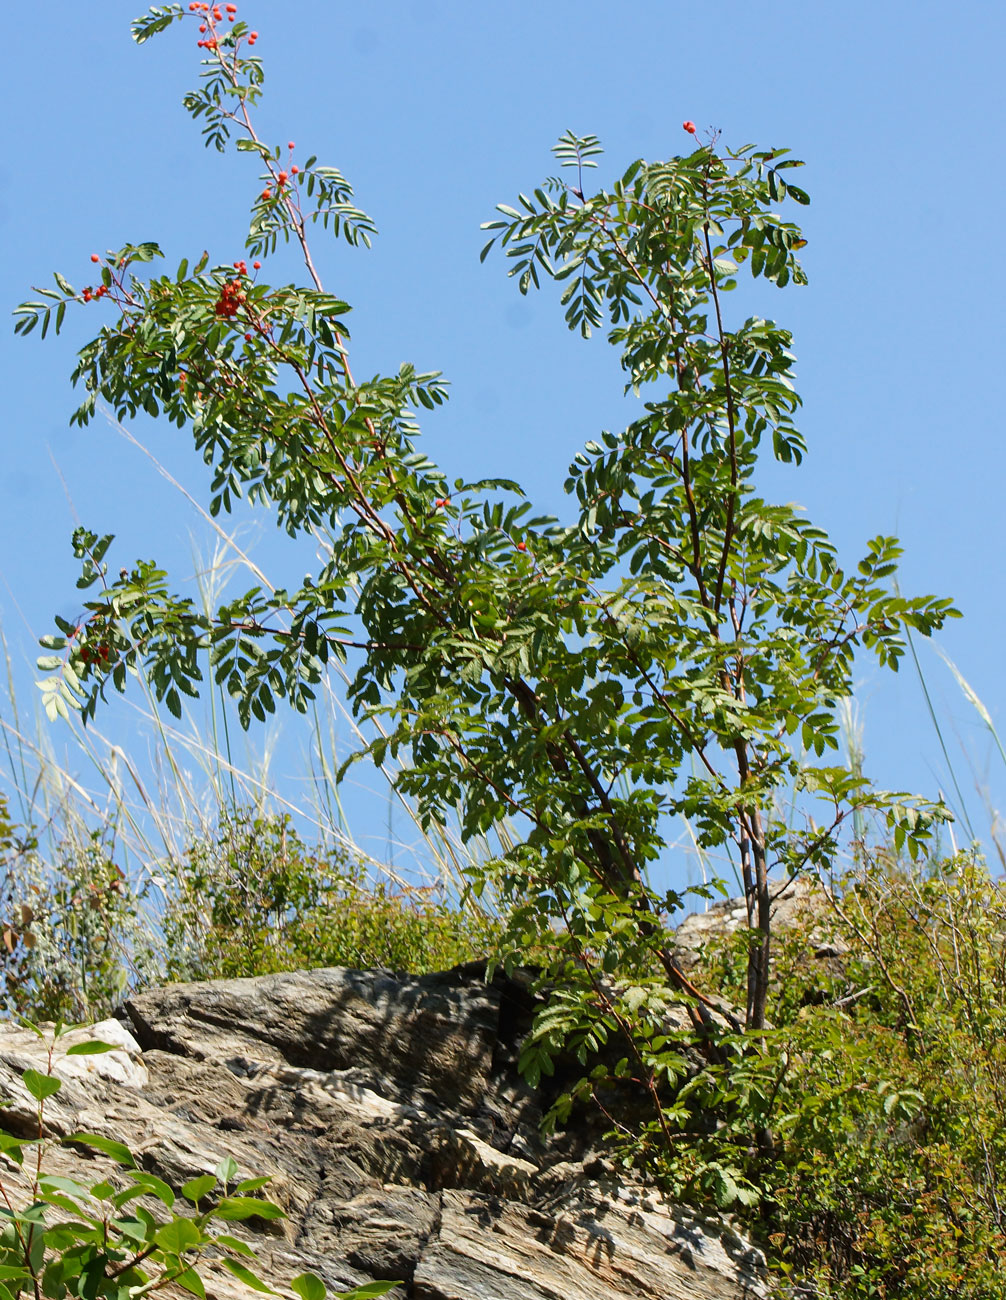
[{"x": 438, "y": 110}]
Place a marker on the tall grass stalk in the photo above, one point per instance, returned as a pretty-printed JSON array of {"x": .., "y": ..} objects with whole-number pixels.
[
  {"x": 974, "y": 699},
  {"x": 962, "y": 809}
]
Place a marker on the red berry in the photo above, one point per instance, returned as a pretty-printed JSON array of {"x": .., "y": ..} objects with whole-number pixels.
[
  {"x": 689, "y": 127},
  {"x": 95, "y": 257},
  {"x": 522, "y": 546},
  {"x": 294, "y": 170},
  {"x": 202, "y": 27},
  {"x": 282, "y": 178},
  {"x": 257, "y": 266},
  {"x": 253, "y": 36},
  {"x": 231, "y": 9},
  {"x": 248, "y": 338},
  {"x": 86, "y": 295},
  {"x": 266, "y": 195},
  {"x": 290, "y": 144}
]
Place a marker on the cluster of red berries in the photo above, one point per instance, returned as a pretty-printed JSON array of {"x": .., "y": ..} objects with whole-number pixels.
[
  {"x": 283, "y": 177},
  {"x": 281, "y": 182},
  {"x": 232, "y": 294},
  {"x": 214, "y": 11},
  {"x": 232, "y": 298},
  {"x": 689, "y": 127},
  {"x": 90, "y": 294},
  {"x": 101, "y": 654},
  {"x": 442, "y": 501},
  {"x": 215, "y": 14}
]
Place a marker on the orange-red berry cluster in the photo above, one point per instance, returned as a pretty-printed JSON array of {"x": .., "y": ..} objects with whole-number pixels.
[
  {"x": 282, "y": 180},
  {"x": 94, "y": 294},
  {"x": 232, "y": 296},
  {"x": 101, "y": 654},
  {"x": 214, "y": 11},
  {"x": 215, "y": 14}
]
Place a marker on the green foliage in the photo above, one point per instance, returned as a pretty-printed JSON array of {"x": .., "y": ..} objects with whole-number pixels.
[
  {"x": 75, "y": 934},
  {"x": 257, "y": 900},
  {"x": 252, "y": 900},
  {"x": 863, "y": 1141},
  {"x": 126, "y": 1235}
]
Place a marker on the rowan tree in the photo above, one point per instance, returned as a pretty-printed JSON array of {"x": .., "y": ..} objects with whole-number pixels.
[{"x": 675, "y": 644}]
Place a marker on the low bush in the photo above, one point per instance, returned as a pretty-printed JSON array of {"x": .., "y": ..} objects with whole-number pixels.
[
  {"x": 863, "y": 1141},
  {"x": 75, "y": 934},
  {"x": 257, "y": 899}
]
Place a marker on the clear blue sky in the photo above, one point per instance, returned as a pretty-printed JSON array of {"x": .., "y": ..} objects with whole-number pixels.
[{"x": 436, "y": 110}]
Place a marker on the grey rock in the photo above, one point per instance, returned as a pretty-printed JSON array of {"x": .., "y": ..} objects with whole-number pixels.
[
  {"x": 802, "y": 902},
  {"x": 400, "y": 1139}
]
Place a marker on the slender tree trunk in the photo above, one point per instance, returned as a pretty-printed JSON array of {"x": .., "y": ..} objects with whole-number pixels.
[
  {"x": 754, "y": 865},
  {"x": 760, "y": 956}
]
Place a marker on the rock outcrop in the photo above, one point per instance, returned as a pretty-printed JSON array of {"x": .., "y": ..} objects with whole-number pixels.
[
  {"x": 799, "y": 904},
  {"x": 401, "y": 1140}
]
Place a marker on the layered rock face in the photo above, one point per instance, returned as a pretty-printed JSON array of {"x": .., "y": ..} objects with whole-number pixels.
[{"x": 401, "y": 1140}]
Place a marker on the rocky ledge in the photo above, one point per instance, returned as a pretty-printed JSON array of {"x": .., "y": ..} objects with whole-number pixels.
[{"x": 401, "y": 1140}]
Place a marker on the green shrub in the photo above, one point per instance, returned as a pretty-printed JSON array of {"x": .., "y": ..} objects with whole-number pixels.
[
  {"x": 257, "y": 899},
  {"x": 75, "y": 934},
  {"x": 864, "y": 1142},
  {"x": 76, "y": 937}
]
